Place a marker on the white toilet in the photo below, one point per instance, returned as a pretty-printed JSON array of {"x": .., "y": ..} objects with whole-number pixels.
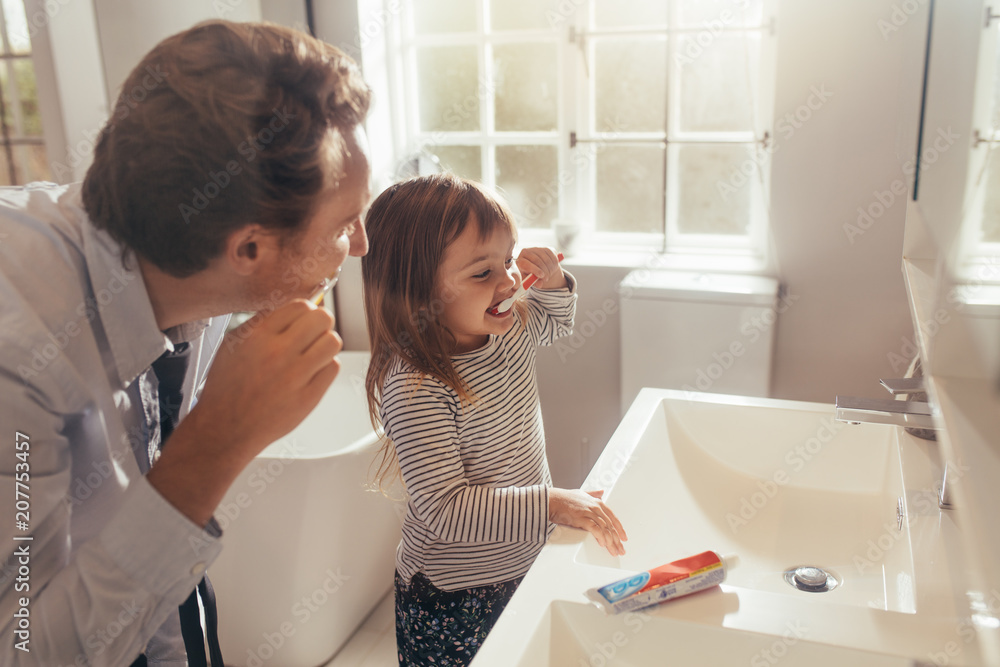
[{"x": 697, "y": 332}]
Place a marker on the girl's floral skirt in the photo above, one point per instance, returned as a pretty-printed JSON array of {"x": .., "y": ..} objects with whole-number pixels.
[{"x": 445, "y": 628}]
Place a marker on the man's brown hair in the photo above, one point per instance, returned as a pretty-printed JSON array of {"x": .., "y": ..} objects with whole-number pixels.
[{"x": 219, "y": 126}]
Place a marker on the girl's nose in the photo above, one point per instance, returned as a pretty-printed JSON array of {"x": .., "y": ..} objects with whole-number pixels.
[{"x": 511, "y": 278}]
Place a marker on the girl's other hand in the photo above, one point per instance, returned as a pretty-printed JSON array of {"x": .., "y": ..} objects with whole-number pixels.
[
  {"x": 544, "y": 263},
  {"x": 586, "y": 510}
]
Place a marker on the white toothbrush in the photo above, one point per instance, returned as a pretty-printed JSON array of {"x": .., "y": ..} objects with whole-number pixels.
[{"x": 528, "y": 281}]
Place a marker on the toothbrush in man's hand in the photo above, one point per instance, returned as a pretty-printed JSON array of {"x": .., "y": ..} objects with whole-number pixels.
[
  {"x": 325, "y": 286},
  {"x": 528, "y": 281}
]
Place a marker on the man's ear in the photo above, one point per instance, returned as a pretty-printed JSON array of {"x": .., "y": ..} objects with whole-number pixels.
[{"x": 248, "y": 247}]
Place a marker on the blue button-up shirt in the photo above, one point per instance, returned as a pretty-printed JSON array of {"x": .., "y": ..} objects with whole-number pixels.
[{"x": 93, "y": 569}]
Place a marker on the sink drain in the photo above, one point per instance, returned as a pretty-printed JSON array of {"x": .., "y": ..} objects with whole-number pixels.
[{"x": 811, "y": 579}]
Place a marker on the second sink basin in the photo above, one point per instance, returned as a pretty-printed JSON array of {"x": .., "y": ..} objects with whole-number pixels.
[
  {"x": 573, "y": 634},
  {"x": 779, "y": 483}
]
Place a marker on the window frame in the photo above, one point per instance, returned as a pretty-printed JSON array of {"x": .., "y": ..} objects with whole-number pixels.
[
  {"x": 576, "y": 172},
  {"x": 977, "y": 259},
  {"x": 13, "y": 135}
]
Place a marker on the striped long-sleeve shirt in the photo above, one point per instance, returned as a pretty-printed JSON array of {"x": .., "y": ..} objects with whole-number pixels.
[{"x": 477, "y": 477}]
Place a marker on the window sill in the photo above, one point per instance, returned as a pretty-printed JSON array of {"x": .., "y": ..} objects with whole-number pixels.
[{"x": 600, "y": 253}]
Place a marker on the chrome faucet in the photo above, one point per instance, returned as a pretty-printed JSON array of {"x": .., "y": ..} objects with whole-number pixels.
[
  {"x": 912, "y": 414},
  {"x": 915, "y": 417}
]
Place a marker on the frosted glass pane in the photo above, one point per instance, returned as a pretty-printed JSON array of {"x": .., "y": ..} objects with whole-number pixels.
[
  {"x": 716, "y": 83},
  {"x": 705, "y": 205},
  {"x": 996, "y": 89},
  {"x": 27, "y": 88},
  {"x": 526, "y": 87},
  {"x": 528, "y": 178},
  {"x": 447, "y": 78},
  {"x": 630, "y": 86},
  {"x": 531, "y": 14},
  {"x": 629, "y": 13},
  {"x": 991, "y": 202},
  {"x": 431, "y": 16},
  {"x": 17, "y": 26},
  {"x": 630, "y": 189},
  {"x": 710, "y": 14},
  {"x": 461, "y": 160}
]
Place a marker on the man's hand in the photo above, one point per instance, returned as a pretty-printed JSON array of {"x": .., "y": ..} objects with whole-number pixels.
[{"x": 268, "y": 374}]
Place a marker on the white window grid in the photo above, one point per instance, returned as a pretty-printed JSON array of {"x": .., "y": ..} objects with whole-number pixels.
[
  {"x": 576, "y": 110},
  {"x": 13, "y": 134}
]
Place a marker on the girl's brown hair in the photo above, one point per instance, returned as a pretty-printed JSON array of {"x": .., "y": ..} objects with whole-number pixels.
[{"x": 409, "y": 227}]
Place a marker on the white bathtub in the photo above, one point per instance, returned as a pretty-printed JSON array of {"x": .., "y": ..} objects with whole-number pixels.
[{"x": 308, "y": 550}]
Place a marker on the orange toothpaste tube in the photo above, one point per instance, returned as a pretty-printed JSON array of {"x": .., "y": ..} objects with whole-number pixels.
[{"x": 666, "y": 582}]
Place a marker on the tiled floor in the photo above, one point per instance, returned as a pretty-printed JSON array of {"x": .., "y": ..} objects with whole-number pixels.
[{"x": 374, "y": 643}]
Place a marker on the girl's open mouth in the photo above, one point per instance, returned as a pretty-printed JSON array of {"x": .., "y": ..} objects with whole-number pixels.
[{"x": 493, "y": 311}]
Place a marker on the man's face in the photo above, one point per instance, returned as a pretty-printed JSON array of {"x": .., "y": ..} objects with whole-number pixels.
[{"x": 334, "y": 231}]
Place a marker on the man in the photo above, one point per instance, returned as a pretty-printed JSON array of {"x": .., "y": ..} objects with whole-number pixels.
[{"x": 238, "y": 184}]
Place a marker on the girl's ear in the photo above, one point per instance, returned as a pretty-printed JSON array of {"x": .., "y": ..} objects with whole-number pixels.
[{"x": 248, "y": 247}]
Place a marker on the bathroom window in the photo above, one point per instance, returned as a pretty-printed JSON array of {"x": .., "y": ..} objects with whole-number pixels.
[
  {"x": 22, "y": 148},
  {"x": 980, "y": 240},
  {"x": 646, "y": 122}
]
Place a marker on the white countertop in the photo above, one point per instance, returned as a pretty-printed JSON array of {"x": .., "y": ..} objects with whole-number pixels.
[{"x": 533, "y": 629}]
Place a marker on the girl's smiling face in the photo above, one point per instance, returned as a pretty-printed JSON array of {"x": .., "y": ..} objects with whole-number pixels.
[{"x": 474, "y": 276}]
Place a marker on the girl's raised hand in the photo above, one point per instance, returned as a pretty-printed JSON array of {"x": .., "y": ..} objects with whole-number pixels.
[
  {"x": 544, "y": 263},
  {"x": 586, "y": 510}
]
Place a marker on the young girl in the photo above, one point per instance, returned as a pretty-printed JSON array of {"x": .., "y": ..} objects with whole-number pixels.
[{"x": 453, "y": 386}]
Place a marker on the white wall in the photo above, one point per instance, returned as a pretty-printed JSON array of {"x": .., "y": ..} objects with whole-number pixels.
[
  {"x": 851, "y": 311},
  {"x": 130, "y": 28}
]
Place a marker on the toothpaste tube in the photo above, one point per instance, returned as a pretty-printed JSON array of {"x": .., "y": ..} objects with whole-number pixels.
[{"x": 666, "y": 582}]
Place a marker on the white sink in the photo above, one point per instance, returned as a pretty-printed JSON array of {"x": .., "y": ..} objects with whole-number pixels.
[
  {"x": 573, "y": 634},
  {"x": 779, "y": 483}
]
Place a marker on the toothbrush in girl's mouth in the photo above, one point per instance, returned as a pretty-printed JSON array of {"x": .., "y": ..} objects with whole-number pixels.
[{"x": 508, "y": 303}]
